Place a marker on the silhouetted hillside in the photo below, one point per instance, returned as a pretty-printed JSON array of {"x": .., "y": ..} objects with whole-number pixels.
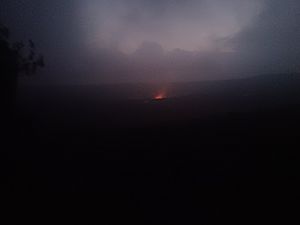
[{"x": 211, "y": 149}]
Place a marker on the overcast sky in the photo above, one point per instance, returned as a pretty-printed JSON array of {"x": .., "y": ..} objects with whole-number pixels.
[{"x": 96, "y": 41}]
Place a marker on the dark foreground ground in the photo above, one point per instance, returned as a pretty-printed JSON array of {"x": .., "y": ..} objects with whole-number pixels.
[{"x": 204, "y": 158}]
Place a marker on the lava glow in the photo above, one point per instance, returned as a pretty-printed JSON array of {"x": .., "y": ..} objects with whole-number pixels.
[{"x": 160, "y": 96}]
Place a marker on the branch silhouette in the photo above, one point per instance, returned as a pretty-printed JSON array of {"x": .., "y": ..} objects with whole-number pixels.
[{"x": 16, "y": 58}]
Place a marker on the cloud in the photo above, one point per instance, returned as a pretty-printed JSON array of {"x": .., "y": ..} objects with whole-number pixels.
[
  {"x": 159, "y": 40},
  {"x": 271, "y": 44},
  {"x": 169, "y": 40},
  {"x": 189, "y": 25}
]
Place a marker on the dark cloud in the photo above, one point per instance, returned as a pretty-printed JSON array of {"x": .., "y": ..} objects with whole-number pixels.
[
  {"x": 141, "y": 40},
  {"x": 272, "y": 43}
]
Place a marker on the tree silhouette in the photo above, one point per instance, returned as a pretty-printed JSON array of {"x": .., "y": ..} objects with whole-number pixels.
[{"x": 15, "y": 59}]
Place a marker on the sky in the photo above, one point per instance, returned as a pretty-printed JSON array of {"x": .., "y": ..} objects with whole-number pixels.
[{"x": 109, "y": 41}]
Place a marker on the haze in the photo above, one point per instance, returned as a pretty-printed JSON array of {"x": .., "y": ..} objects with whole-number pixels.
[{"x": 102, "y": 41}]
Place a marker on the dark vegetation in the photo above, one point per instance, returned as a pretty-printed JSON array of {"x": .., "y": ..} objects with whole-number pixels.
[{"x": 15, "y": 59}]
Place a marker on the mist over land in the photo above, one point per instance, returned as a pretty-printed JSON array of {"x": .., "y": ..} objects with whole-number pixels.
[
  {"x": 158, "y": 41},
  {"x": 151, "y": 112}
]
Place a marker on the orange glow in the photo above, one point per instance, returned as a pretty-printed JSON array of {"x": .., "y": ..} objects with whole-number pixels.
[{"x": 160, "y": 96}]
